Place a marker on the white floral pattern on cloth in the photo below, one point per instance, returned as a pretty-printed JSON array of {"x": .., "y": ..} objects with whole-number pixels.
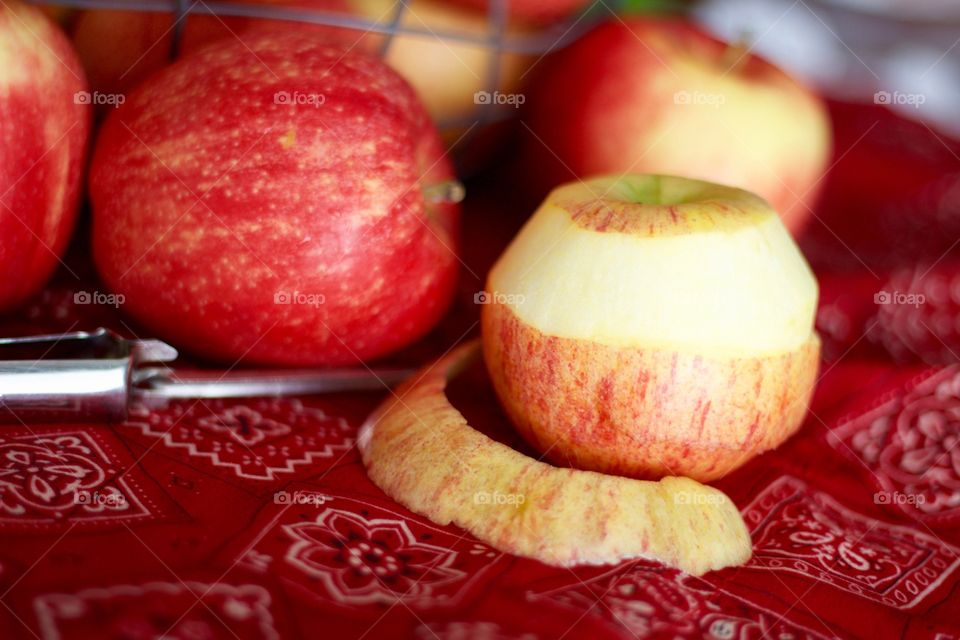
[
  {"x": 258, "y": 440},
  {"x": 49, "y": 478},
  {"x": 359, "y": 554},
  {"x": 648, "y": 600},
  {"x": 912, "y": 446},
  {"x": 800, "y": 530},
  {"x": 158, "y": 610}
]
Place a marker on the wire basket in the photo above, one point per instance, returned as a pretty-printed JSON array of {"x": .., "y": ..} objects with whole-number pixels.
[{"x": 497, "y": 39}]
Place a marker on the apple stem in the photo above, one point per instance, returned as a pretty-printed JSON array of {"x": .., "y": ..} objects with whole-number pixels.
[{"x": 446, "y": 192}]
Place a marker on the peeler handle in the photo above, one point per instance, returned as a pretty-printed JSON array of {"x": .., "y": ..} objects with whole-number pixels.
[
  {"x": 71, "y": 377},
  {"x": 63, "y": 390}
]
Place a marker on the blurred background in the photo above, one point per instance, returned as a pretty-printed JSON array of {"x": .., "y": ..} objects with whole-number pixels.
[{"x": 901, "y": 54}]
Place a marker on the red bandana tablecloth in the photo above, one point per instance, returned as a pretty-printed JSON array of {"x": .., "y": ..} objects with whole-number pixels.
[{"x": 254, "y": 518}]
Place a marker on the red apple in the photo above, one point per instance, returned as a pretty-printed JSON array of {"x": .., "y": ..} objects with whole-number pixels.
[
  {"x": 660, "y": 96},
  {"x": 44, "y": 124},
  {"x": 277, "y": 200}
]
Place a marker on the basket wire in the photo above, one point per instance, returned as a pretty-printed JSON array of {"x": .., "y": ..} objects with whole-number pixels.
[{"x": 498, "y": 39}]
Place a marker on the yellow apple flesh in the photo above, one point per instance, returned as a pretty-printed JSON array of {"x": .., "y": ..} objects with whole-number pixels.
[
  {"x": 651, "y": 326},
  {"x": 420, "y": 450}
]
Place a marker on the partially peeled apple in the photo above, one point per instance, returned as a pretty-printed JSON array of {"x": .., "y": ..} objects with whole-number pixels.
[
  {"x": 422, "y": 452},
  {"x": 640, "y": 325},
  {"x": 651, "y": 325}
]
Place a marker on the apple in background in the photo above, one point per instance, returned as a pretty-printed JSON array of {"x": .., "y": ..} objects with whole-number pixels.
[
  {"x": 660, "y": 96},
  {"x": 534, "y": 12},
  {"x": 121, "y": 48},
  {"x": 278, "y": 200},
  {"x": 652, "y": 325},
  {"x": 44, "y": 124},
  {"x": 420, "y": 450},
  {"x": 58, "y": 14},
  {"x": 447, "y": 74}
]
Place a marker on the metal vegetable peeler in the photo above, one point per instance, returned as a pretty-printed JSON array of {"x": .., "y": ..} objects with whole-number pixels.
[{"x": 96, "y": 376}]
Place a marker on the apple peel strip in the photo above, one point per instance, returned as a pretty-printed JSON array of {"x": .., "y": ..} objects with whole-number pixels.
[{"x": 420, "y": 450}]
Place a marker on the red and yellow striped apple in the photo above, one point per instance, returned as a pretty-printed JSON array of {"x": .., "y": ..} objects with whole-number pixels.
[
  {"x": 44, "y": 124},
  {"x": 652, "y": 325},
  {"x": 276, "y": 199},
  {"x": 648, "y": 95},
  {"x": 422, "y": 452}
]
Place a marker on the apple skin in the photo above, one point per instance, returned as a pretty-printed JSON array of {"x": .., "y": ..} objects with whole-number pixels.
[
  {"x": 210, "y": 199},
  {"x": 579, "y": 402},
  {"x": 422, "y": 452},
  {"x": 44, "y": 129},
  {"x": 447, "y": 74},
  {"x": 607, "y": 104},
  {"x": 649, "y": 325},
  {"x": 119, "y": 49}
]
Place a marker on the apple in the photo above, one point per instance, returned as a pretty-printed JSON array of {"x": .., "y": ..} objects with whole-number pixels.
[
  {"x": 650, "y": 95},
  {"x": 121, "y": 48},
  {"x": 58, "y": 14},
  {"x": 420, "y": 450},
  {"x": 44, "y": 124},
  {"x": 278, "y": 200},
  {"x": 650, "y": 325},
  {"x": 447, "y": 74}
]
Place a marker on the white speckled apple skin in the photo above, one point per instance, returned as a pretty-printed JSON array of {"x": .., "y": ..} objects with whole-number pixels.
[
  {"x": 263, "y": 199},
  {"x": 44, "y": 126}
]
